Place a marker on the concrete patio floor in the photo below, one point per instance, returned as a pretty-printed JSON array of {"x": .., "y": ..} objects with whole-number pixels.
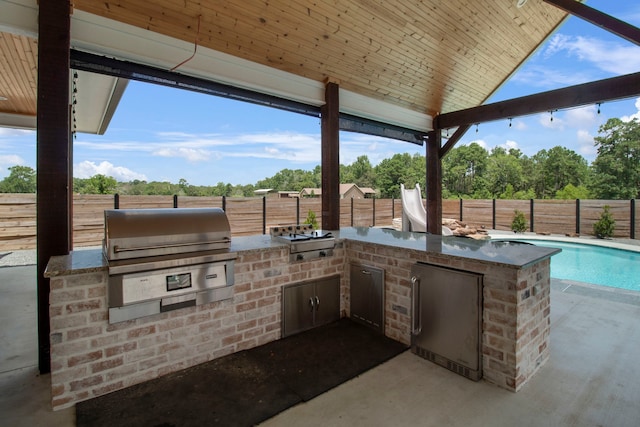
[{"x": 591, "y": 379}]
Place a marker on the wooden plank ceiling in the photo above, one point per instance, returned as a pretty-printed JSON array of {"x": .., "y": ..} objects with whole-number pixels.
[
  {"x": 18, "y": 74},
  {"x": 431, "y": 56}
]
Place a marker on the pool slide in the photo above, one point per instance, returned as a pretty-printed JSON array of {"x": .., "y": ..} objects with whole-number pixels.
[{"x": 414, "y": 215}]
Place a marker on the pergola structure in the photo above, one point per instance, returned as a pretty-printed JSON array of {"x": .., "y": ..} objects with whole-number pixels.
[{"x": 406, "y": 70}]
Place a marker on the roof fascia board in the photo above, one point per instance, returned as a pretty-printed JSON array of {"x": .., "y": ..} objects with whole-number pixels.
[
  {"x": 19, "y": 17},
  {"x": 599, "y": 91},
  {"x": 18, "y": 121},
  {"x": 602, "y": 20}
]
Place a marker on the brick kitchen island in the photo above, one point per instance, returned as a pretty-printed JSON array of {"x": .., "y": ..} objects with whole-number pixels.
[{"x": 90, "y": 357}]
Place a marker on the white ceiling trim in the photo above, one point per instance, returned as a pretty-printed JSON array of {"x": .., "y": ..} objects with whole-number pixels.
[
  {"x": 18, "y": 121},
  {"x": 19, "y": 17}
]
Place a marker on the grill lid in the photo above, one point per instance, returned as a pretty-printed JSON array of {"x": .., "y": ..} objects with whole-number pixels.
[{"x": 137, "y": 233}]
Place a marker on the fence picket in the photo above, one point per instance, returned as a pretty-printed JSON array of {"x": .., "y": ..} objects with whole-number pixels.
[{"x": 247, "y": 216}]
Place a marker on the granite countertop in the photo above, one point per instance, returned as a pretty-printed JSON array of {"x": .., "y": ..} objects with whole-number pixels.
[{"x": 512, "y": 254}]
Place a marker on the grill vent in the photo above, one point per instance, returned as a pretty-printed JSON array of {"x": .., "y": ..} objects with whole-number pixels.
[{"x": 446, "y": 363}]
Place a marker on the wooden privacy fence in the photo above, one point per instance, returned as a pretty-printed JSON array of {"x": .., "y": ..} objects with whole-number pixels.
[{"x": 249, "y": 216}]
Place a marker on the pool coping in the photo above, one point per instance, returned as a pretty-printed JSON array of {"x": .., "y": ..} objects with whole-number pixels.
[{"x": 626, "y": 244}]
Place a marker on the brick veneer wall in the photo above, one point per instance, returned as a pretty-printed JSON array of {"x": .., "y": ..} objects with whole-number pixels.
[
  {"x": 516, "y": 308},
  {"x": 90, "y": 357}
]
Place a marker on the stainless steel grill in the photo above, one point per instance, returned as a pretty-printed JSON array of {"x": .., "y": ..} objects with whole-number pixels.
[
  {"x": 165, "y": 259},
  {"x": 304, "y": 242}
]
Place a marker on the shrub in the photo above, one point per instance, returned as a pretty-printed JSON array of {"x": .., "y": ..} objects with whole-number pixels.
[
  {"x": 311, "y": 219},
  {"x": 603, "y": 228},
  {"x": 519, "y": 223}
]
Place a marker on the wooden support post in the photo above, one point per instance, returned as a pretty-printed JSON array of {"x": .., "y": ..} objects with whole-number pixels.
[
  {"x": 330, "y": 128},
  {"x": 53, "y": 155},
  {"x": 434, "y": 183}
]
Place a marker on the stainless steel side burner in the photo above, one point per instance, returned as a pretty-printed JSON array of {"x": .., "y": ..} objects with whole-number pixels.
[
  {"x": 304, "y": 242},
  {"x": 165, "y": 259}
]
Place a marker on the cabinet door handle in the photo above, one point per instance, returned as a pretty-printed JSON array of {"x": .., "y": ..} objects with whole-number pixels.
[
  {"x": 416, "y": 307},
  {"x": 317, "y": 303},
  {"x": 311, "y": 304},
  {"x": 365, "y": 272}
]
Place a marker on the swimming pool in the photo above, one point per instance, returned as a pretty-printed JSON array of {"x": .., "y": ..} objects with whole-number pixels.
[{"x": 599, "y": 265}]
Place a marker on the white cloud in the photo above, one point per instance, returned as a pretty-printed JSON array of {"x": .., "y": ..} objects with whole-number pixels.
[
  {"x": 8, "y": 160},
  {"x": 611, "y": 57},
  {"x": 190, "y": 154},
  {"x": 636, "y": 115},
  {"x": 551, "y": 121},
  {"x": 544, "y": 77},
  {"x": 519, "y": 125},
  {"x": 88, "y": 169},
  {"x": 509, "y": 145},
  {"x": 581, "y": 117},
  {"x": 481, "y": 142},
  {"x": 585, "y": 142},
  {"x": 11, "y": 133}
]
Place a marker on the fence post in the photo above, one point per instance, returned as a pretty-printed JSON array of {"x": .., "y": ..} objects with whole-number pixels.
[
  {"x": 461, "y": 207},
  {"x": 493, "y": 214},
  {"x": 175, "y": 201},
  {"x": 352, "y": 211},
  {"x": 116, "y": 201},
  {"x": 393, "y": 208},
  {"x": 264, "y": 214},
  {"x": 224, "y": 203},
  {"x": 577, "y": 216},
  {"x": 632, "y": 219},
  {"x": 297, "y": 210},
  {"x": 531, "y": 214},
  {"x": 374, "y": 212}
]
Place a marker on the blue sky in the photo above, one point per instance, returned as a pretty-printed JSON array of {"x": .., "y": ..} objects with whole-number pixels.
[{"x": 162, "y": 134}]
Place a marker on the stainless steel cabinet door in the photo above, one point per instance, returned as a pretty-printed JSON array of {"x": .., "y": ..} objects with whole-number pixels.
[
  {"x": 298, "y": 303},
  {"x": 367, "y": 295},
  {"x": 327, "y": 294},
  {"x": 447, "y": 314}
]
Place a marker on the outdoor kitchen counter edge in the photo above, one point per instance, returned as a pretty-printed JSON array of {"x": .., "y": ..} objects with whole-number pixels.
[
  {"x": 505, "y": 253},
  {"x": 497, "y": 252}
]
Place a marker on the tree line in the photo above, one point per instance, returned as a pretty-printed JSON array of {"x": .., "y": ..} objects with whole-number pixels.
[{"x": 468, "y": 171}]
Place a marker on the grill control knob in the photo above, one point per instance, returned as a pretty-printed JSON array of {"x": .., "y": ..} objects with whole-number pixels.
[
  {"x": 300, "y": 257},
  {"x": 323, "y": 253}
]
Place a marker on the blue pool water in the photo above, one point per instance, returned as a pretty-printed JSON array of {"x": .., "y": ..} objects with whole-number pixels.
[{"x": 594, "y": 264}]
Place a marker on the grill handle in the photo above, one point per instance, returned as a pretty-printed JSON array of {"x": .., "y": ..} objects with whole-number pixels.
[
  {"x": 118, "y": 249},
  {"x": 416, "y": 307}
]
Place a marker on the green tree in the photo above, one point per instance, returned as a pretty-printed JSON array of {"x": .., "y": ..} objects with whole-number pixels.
[
  {"x": 572, "y": 192},
  {"x": 617, "y": 167},
  {"x": 100, "y": 184},
  {"x": 503, "y": 169},
  {"x": 462, "y": 169},
  {"x": 555, "y": 169},
  {"x": 400, "y": 169},
  {"x": 361, "y": 172},
  {"x": 21, "y": 179}
]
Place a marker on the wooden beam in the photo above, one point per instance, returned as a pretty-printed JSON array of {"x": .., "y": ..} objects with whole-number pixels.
[
  {"x": 451, "y": 142},
  {"x": 54, "y": 192},
  {"x": 589, "y": 93},
  {"x": 434, "y": 183},
  {"x": 330, "y": 129},
  {"x": 602, "y": 20}
]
